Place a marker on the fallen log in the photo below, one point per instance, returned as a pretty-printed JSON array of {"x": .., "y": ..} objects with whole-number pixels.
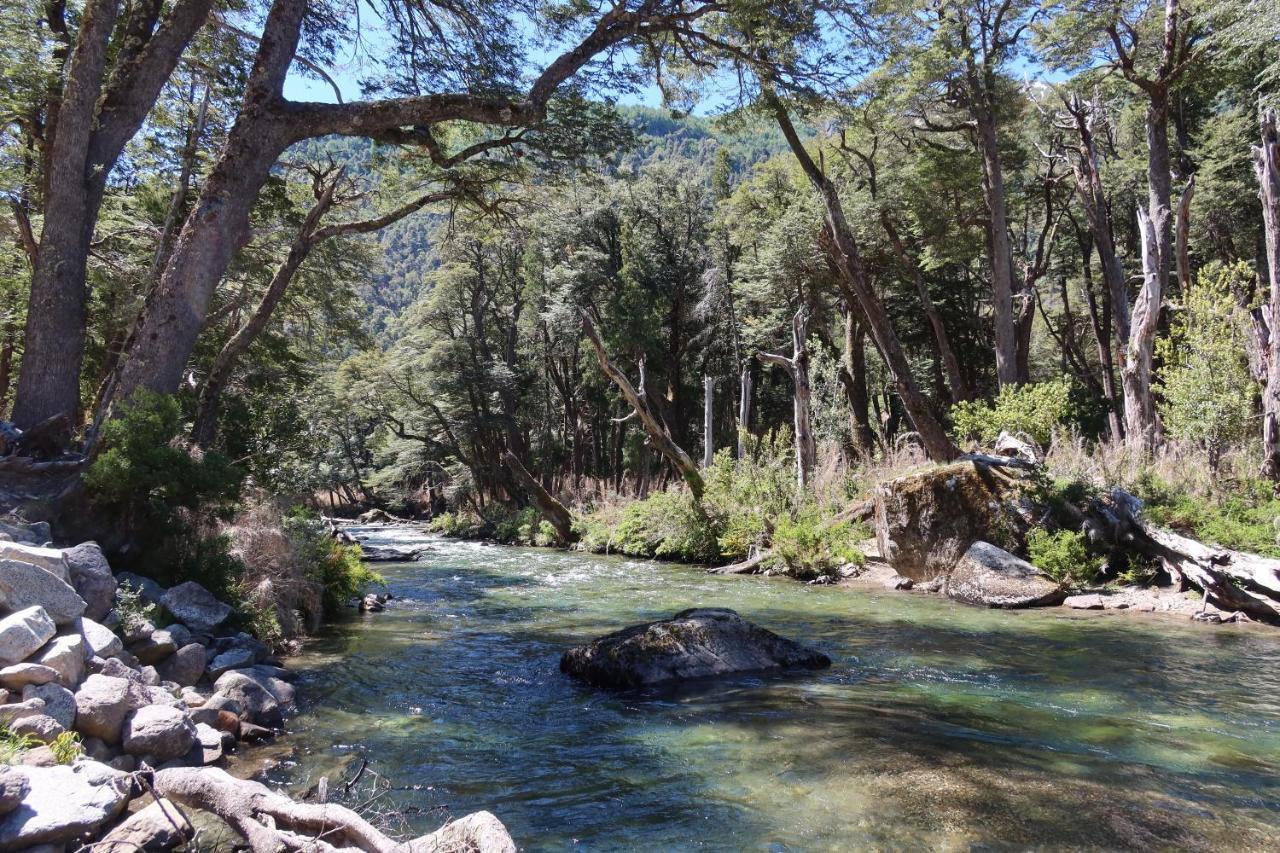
[{"x": 749, "y": 566}]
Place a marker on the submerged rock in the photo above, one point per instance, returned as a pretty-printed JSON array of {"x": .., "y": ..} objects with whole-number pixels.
[
  {"x": 992, "y": 577},
  {"x": 695, "y": 643}
]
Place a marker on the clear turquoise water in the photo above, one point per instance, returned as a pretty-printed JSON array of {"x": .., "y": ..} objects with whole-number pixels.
[{"x": 939, "y": 726}]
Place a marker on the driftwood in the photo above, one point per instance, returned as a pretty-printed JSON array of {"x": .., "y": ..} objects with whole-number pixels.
[
  {"x": 749, "y": 566},
  {"x": 552, "y": 510}
]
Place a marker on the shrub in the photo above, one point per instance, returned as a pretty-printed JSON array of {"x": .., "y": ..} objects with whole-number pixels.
[
  {"x": 667, "y": 525},
  {"x": 745, "y": 495},
  {"x": 810, "y": 546},
  {"x": 66, "y": 747},
  {"x": 1037, "y": 410},
  {"x": 1063, "y": 556},
  {"x": 132, "y": 609},
  {"x": 1247, "y": 519}
]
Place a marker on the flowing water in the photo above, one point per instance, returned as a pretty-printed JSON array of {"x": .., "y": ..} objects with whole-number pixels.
[{"x": 938, "y": 726}]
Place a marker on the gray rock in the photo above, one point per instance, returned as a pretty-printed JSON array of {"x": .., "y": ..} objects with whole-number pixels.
[
  {"x": 232, "y": 659},
  {"x": 210, "y": 743},
  {"x": 147, "y": 589},
  {"x": 91, "y": 576},
  {"x": 242, "y": 641},
  {"x": 195, "y": 607},
  {"x": 160, "y": 696},
  {"x": 124, "y": 763},
  {"x": 153, "y": 648},
  {"x": 480, "y": 831},
  {"x": 160, "y": 826},
  {"x": 116, "y": 668},
  {"x": 24, "y": 632},
  {"x": 899, "y": 582},
  {"x": 51, "y": 560},
  {"x": 41, "y": 756},
  {"x": 992, "y": 577},
  {"x": 65, "y": 654},
  {"x": 19, "y": 675},
  {"x": 150, "y": 676},
  {"x": 63, "y": 804},
  {"x": 97, "y": 749},
  {"x": 16, "y": 530},
  {"x": 59, "y": 702},
  {"x": 181, "y": 634},
  {"x": 159, "y": 731},
  {"x": 39, "y": 727},
  {"x": 137, "y": 629},
  {"x": 185, "y": 666},
  {"x": 223, "y": 721},
  {"x": 102, "y": 704},
  {"x": 102, "y": 641},
  {"x": 13, "y": 787},
  {"x": 223, "y": 702},
  {"x": 18, "y": 710},
  {"x": 1085, "y": 602},
  {"x": 696, "y": 643},
  {"x": 259, "y": 705},
  {"x": 24, "y": 585}
]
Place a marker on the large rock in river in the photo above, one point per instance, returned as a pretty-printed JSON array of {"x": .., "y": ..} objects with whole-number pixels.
[
  {"x": 695, "y": 643},
  {"x": 927, "y": 520},
  {"x": 992, "y": 577}
]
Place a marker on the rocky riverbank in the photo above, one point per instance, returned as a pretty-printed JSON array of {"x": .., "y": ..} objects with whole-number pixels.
[{"x": 121, "y": 698}]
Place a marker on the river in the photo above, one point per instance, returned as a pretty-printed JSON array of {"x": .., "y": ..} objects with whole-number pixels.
[{"x": 938, "y": 726}]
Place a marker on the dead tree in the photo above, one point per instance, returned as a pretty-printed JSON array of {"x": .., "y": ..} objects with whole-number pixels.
[
  {"x": 797, "y": 367},
  {"x": 1141, "y": 427},
  {"x": 744, "y": 408},
  {"x": 552, "y": 510},
  {"x": 1182, "y": 235},
  {"x": 708, "y": 420},
  {"x": 656, "y": 430},
  {"x": 1266, "y": 161}
]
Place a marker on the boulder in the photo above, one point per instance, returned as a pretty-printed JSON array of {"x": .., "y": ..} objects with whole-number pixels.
[
  {"x": 24, "y": 585},
  {"x": 159, "y": 731},
  {"x": 237, "y": 658},
  {"x": 927, "y": 520},
  {"x": 259, "y": 705},
  {"x": 117, "y": 668},
  {"x": 16, "y": 530},
  {"x": 102, "y": 704},
  {"x": 52, "y": 560},
  {"x": 13, "y": 787},
  {"x": 147, "y": 589},
  {"x": 40, "y": 756},
  {"x": 223, "y": 721},
  {"x": 102, "y": 641},
  {"x": 210, "y": 743},
  {"x": 185, "y": 666},
  {"x": 159, "y": 827},
  {"x": 992, "y": 577},
  {"x": 63, "y": 804},
  {"x": 195, "y": 607},
  {"x": 22, "y": 633},
  {"x": 242, "y": 641},
  {"x": 153, "y": 648},
  {"x": 250, "y": 733},
  {"x": 480, "y": 832},
  {"x": 375, "y": 516},
  {"x": 40, "y": 727},
  {"x": 695, "y": 643},
  {"x": 92, "y": 578},
  {"x": 20, "y": 675},
  {"x": 59, "y": 702},
  {"x": 17, "y": 710},
  {"x": 1091, "y": 601},
  {"x": 180, "y": 634},
  {"x": 66, "y": 654}
]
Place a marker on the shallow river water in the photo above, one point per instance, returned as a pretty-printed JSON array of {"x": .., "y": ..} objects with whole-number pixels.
[{"x": 938, "y": 726}]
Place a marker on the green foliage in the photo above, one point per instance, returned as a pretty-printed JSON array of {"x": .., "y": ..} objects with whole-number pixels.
[
  {"x": 338, "y": 568},
  {"x": 1207, "y": 392},
  {"x": 746, "y": 495},
  {"x": 667, "y": 525},
  {"x": 132, "y": 609},
  {"x": 812, "y": 546},
  {"x": 1246, "y": 519},
  {"x": 13, "y": 746},
  {"x": 1063, "y": 555},
  {"x": 66, "y": 747},
  {"x": 1037, "y": 410}
]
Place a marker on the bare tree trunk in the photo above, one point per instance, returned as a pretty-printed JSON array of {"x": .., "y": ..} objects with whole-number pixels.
[
  {"x": 708, "y": 420},
  {"x": 552, "y": 510},
  {"x": 1100, "y": 320},
  {"x": 1266, "y": 161},
  {"x": 657, "y": 432},
  {"x": 797, "y": 367},
  {"x": 744, "y": 408},
  {"x": 853, "y": 377},
  {"x": 1141, "y": 425},
  {"x": 1001, "y": 256},
  {"x": 1183, "y": 235}
]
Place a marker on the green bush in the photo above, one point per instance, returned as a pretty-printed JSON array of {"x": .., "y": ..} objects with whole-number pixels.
[
  {"x": 338, "y": 568},
  {"x": 1247, "y": 519},
  {"x": 1063, "y": 556},
  {"x": 1036, "y": 410},
  {"x": 745, "y": 495},
  {"x": 667, "y": 525},
  {"x": 811, "y": 546}
]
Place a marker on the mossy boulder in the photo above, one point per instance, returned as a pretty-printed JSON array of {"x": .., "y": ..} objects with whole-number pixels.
[
  {"x": 698, "y": 643},
  {"x": 926, "y": 521}
]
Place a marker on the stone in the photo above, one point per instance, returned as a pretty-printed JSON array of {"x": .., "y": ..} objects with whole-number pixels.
[
  {"x": 223, "y": 721},
  {"x": 195, "y": 607},
  {"x": 209, "y": 740},
  {"x": 153, "y": 648},
  {"x": 59, "y": 702},
  {"x": 22, "y": 633},
  {"x": 18, "y": 710},
  {"x": 161, "y": 826},
  {"x": 124, "y": 763},
  {"x": 52, "y": 560},
  {"x": 181, "y": 634},
  {"x": 24, "y": 585},
  {"x": 254, "y": 695},
  {"x": 371, "y": 604},
  {"x": 1085, "y": 602},
  {"x": 39, "y": 727},
  {"x": 92, "y": 578},
  {"x": 992, "y": 577},
  {"x": 191, "y": 697},
  {"x": 66, "y": 654},
  {"x": 117, "y": 668},
  {"x": 102, "y": 641},
  {"x": 696, "y": 643},
  {"x": 97, "y": 749},
  {"x": 41, "y": 756},
  {"x": 899, "y": 582},
  {"x": 160, "y": 696},
  {"x": 250, "y": 733},
  {"x": 237, "y": 658},
  {"x": 137, "y": 629},
  {"x": 927, "y": 520},
  {"x": 13, "y": 787},
  {"x": 102, "y": 704},
  {"x": 1023, "y": 449},
  {"x": 185, "y": 666},
  {"x": 480, "y": 832},
  {"x": 223, "y": 702},
  {"x": 147, "y": 589},
  {"x": 16, "y": 530},
  {"x": 159, "y": 731},
  {"x": 242, "y": 641},
  {"x": 19, "y": 675},
  {"x": 64, "y": 803}
]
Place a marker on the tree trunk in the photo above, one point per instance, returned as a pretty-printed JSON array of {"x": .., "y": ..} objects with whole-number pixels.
[
  {"x": 552, "y": 510},
  {"x": 1160, "y": 181},
  {"x": 853, "y": 377},
  {"x": 1001, "y": 257},
  {"x": 797, "y": 367},
  {"x": 1183, "y": 236},
  {"x": 853, "y": 276},
  {"x": 1266, "y": 161},
  {"x": 1141, "y": 425},
  {"x": 1100, "y": 320},
  {"x": 708, "y": 420},
  {"x": 744, "y": 408}
]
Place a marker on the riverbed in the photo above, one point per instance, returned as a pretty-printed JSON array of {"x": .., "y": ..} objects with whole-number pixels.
[{"x": 938, "y": 726}]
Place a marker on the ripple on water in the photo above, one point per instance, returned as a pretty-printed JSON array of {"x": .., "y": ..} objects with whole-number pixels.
[{"x": 938, "y": 726}]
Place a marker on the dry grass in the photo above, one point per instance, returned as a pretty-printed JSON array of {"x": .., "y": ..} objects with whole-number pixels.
[
  {"x": 1183, "y": 467},
  {"x": 275, "y": 579}
]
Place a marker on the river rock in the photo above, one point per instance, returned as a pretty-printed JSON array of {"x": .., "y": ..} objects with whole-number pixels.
[
  {"x": 117, "y": 668},
  {"x": 258, "y": 702},
  {"x": 66, "y": 654},
  {"x": 39, "y": 727},
  {"x": 481, "y": 832},
  {"x": 195, "y": 607},
  {"x": 32, "y": 533},
  {"x": 927, "y": 520},
  {"x": 13, "y": 787},
  {"x": 1091, "y": 601},
  {"x": 59, "y": 702},
  {"x": 148, "y": 590},
  {"x": 92, "y": 578},
  {"x": 237, "y": 658},
  {"x": 216, "y": 718},
  {"x": 102, "y": 641},
  {"x": 210, "y": 743},
  {"x": 24, "y": 585},
  {"x": 52, "y": 560},
  {"x": 695, "y": 643},
  {"x": 22, "y": 633},
  {"x": 159, "y": 731},
  {"x": 992, "y": 577},
  {"x": 185, "y": 666},
  {"x": 17, "y": 710},
  {"x": 20, "y": 675},
  {"x": 103, "y": 702},
  {"x": 63, "y": 804},
  {"x": 241, "y": 641},
  {"x": 154, "y": 648},
  {"x": 161, "y": 826}
]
